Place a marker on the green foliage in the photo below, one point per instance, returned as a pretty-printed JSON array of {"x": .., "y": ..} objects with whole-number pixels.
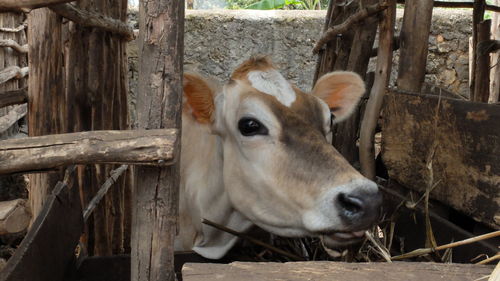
[{"x": 277, "y": 4}]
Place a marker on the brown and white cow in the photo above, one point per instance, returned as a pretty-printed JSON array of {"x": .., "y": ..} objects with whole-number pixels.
[{"x": 257, "y": 151}]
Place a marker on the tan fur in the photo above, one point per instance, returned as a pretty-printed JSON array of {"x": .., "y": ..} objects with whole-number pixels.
[
  {"x": 258, "y": 62},
  {"x": 200, "y": 97}
]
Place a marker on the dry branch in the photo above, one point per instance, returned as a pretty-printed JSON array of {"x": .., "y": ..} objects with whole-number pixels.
[
  {"x": 21, "y": 27},
  {"x": 343, "y": 27},
  {"x": 16, "y": 5},
  {"x": 13, "y": 72},
  {"x": 114, "y": 175},
  {"x": 93, "y": 19},
  {"x": 140, "y": 147},
  {"x": 382, "y": 76},
  {"x": 17, "y": 112},
  {"x": 466, "y": 5},
  {"x": 13, "y": 97},
  {"x": 14, "y": 45},
  {"x": 14, "y": 216},
  {"x": 253, "y": 240}
]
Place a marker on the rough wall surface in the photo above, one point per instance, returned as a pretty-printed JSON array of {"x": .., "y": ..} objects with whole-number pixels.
[{"x": 216, "y": 41}]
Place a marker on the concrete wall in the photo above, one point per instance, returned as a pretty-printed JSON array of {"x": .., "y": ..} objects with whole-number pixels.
[{"x": 216, "y": 41}]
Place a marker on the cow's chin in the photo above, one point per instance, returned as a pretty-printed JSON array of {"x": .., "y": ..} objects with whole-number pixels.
[{"x": 342, "y": 239}]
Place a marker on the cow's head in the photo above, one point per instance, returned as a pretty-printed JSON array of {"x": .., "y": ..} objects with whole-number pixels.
[{"x": 280, "y": 169}]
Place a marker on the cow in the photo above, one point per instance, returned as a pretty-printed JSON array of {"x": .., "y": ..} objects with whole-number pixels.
[{"x": 257, "y": 151}]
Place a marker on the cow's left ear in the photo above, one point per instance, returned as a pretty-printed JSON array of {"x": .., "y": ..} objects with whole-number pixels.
[
  {"x": 199, "y": 95},
  {"x": 341, "y": 91}
]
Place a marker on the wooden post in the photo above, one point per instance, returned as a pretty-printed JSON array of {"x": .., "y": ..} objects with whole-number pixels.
[
  {"x": 47, "y": 102},
  {"x": 414, "y": 44},
  {"x": 495, "y": 60},
  {"x": 382, "y": 76},
  {"x": 96, "y": 84},
  {"x": 482, "y": 72},
  {"x": 477, "y": 17},
  {"x": 155, "y": 211}
]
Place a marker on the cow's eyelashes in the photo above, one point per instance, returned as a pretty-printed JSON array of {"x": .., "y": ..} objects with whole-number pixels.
[{"x": 251, "y": 127}]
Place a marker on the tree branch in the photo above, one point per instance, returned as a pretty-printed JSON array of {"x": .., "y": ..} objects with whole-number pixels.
[
  {"x": 17, "y": 5},
  {"x": 15, "y": 29},
  {"x": 12, "y": 72},
  {"x": 14, "y": 45},
  {"x": 343, "y": 27},
  {"x": 13, "y": 97},
  {"x": 12, "y": 117},
  {"x": 93, "y": 19}
]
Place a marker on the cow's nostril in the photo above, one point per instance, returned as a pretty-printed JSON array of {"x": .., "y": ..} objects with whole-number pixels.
[{"x": 351, "y": 205}]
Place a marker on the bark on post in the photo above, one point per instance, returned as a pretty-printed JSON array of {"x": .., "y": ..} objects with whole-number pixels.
[
  {"x": 482, "y": 72},
  {"x": 159, "y": 106},
  {"x": 96, "y": 82},
  {"x": 414, "y": 44},
  {"x": 477, "y": 17},
  {"x": 495, "y": 60},
  {"x": 46, "y": 91},
  {"x": 382, "y": 76}
]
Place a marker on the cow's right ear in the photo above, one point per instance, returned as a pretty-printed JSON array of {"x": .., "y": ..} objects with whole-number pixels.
[{"x": 199, "y": 95}]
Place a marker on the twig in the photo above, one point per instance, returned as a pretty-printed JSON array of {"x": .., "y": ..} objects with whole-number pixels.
[
  {"x": 490, "y": 259},
  {"x": 14, "y": 45},
  {"x": 253, "y": 240},
  {"x": 92, "y": 19},
  {"x": 114, "y": 175},
  {"x": 425, "y": 251},
  {"x": 343, "y": 27},
  {"x": 383, "y": 251},
  {"x": 14, "y": 29}
]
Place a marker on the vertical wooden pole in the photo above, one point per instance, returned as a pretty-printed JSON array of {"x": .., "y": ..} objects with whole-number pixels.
[
  {"x": 495, "y": 59},
  {"x": 414, "y": 41},
  {"x": 159, "y": 101},
  {"x": 97, "y": 88},
  {"x": 382, "y": 76},
  {"x": 47, "y": 102},
  {"x": 482, "y": 72},
  {"x": 477, "y": 17}
]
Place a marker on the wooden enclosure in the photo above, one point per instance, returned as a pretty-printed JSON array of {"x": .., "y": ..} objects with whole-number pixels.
[{"x": 103, "y": 200}]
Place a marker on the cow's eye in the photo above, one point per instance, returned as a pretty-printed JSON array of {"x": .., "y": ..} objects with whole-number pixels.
[{"x": 251, "y": 127}]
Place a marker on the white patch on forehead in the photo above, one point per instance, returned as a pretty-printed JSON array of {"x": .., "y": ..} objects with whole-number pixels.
[{"x": 273, "y": 83}]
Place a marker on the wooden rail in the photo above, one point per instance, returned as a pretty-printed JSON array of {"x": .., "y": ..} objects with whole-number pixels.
[
  {"x": 13, "y": 97},
  {"x": 140, "y": 147}
]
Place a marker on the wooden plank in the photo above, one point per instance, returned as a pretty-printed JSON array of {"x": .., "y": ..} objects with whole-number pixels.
[
  {"x": 17, "y": 112},
  {"x": 48, "y": 248},
  {"x": 139, "y": 147},
  {"x": 456, "y": 148},
  {"x": 159, "y": 105},
  {"x": 414, "y": 44},
  {"x": 338, "y": 271},
  {"x": 14, "y": 216},
  {"x": 13, "y": 97}
]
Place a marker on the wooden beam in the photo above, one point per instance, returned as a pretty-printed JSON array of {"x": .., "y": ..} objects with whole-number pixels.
[
  {"x": 21, "y": 27},
  {"x": 374, "y": 105},
  {"x": 16, "y": 5},
  {"x": 14, "y": 115},
  {"x": 139, "y": 147},
  {"x": 459, "y": 5},
  {"x": 13, "y": 97},
  {"x": 12, "y": 72},
  {"x": 14, "y": 216},
  {"x": 482, "y": 73},
  {"x": 339, "y": 271},
  {"x": 49, "y": 247},
  {"x": 159, "y": 104},
  {"x": 93, "y": 19},
  {"x": 343, "y": 27},
  {"x": 495, "y": 59},
  {"x": 14, "y": 45},
  {"x": 477, "y": 17},
  {"x": 414, "y": 44}
]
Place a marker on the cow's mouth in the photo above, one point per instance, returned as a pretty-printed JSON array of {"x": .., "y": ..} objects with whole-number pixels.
[{"x": 338, "y": 239}]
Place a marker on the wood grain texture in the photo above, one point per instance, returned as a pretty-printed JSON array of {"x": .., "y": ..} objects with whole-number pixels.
[
  {"x": 140, "y": 147},
  {"x": 15, "y": 113},
  {"x": 414, "y": 39},
  {"x": 13, "y": 97},
  {"x": 9, "y": 5},
  {"x": 338, "y": 271},
  {"x": 48, "y": 248},
  {"x": 449, "y": 143},
  {"x": 482, "y": 74},
  {"x": 159, "y": 102},
  {"x": 14, "y": 216}
]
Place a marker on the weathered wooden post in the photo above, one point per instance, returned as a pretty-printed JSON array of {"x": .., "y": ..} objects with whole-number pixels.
[
  {"x": 482, "y": 64},
  {"x": 155, "y": 209},
  {"x": 414, "y": 44}
]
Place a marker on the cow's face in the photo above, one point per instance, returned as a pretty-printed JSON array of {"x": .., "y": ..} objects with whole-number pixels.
[{"x": 280, "y": 169}]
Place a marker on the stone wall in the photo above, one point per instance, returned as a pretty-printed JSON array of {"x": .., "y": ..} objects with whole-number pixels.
[{"x": 216, "y": 41}]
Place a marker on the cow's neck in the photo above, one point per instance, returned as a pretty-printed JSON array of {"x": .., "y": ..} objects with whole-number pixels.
[{"x": 202, "y": 193}]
